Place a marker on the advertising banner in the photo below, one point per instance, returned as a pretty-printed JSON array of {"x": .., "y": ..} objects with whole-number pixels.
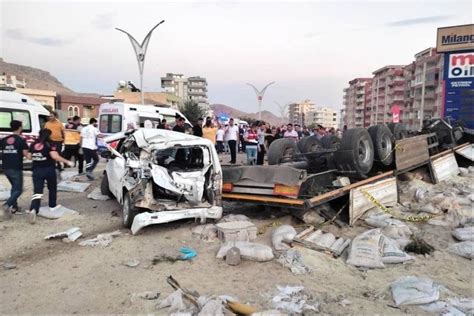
[
  {"x": 459, "y": 87},
  {"x": 455, "y": 38}
]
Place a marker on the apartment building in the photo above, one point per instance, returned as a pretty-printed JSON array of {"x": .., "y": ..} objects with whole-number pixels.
[
  {"x": 298, "y": 111},
  {"x": 423, "y": 88},
  {"x": 192, "y": 88},
  {"x": 388, "y": 95},
  {"x": 357, "y": 99},
  {"x": 325, "y": 116}
]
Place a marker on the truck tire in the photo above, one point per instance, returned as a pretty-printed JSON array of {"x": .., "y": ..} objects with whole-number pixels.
[
  {"x": 356, "y": 152},
  {"x": 104, "y": 186},
  {"x": 128, "y": 211},
  {"x": 309, "y": 144},
  {"x": 383, "y": 142},
  {"x": 330, "y": 141},
  {"x": 281, "y": 150},
  {"x": 399, "y": 131}
]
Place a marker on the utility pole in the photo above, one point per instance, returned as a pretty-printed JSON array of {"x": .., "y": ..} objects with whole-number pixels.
[
  {"x": 282, "y": 109},
  {"x": 260, "y": 94},
  {"x": 140, "y": 52}
]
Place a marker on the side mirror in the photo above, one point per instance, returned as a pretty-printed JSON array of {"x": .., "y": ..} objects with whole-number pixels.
[{"x": 106, "y": 154}]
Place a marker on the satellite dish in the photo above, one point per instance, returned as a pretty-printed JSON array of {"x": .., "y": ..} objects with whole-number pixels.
[{"x": 122, "y": 84}]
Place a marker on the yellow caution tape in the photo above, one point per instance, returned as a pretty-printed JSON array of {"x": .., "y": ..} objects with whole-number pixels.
[
  {"x": 262, "y": 230},
  {"x": 396, "y": 147},
  {"x": 410, "y": 218}
]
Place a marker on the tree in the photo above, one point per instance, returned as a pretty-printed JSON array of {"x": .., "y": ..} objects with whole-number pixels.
[{"x": 192, "y": 111}]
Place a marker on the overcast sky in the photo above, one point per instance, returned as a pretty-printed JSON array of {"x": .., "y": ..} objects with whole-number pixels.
[{"x": 311, "y": 49}]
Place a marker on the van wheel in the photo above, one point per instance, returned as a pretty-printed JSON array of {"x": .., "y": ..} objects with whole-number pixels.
[
  {"x": 309, "y": 144},
  {"x": 356, "y": 152},
  {"x": 104, "y": 187},
  {"x": 330, "y": 141},
  {"x": 281, "y": 150},
  {"x": 128, "y": 211},
  {"x": 383, "y": 142}
]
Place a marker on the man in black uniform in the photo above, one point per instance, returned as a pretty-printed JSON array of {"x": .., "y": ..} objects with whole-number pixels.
[
  {"x": 44, "y": 154},
  {"x": 179, "y": 127},
  {"x": 197, "y": 128},
  {"x": 13, "y": 149}
]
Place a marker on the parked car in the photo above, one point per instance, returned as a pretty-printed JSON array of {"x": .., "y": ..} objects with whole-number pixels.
[{"x": 161, "y": 176}]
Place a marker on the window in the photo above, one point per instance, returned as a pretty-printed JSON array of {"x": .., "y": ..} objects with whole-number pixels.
[
  {"x": 6, "y": 116},
  {"x": 72, "y": 111},
  {"x": 110, "y": 123}
]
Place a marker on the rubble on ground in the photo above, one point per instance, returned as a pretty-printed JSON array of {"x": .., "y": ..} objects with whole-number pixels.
[
  {"x": 236, "y": 231},
  {"x": 97, "y": 195},
  {"x": 206, "y": 232},
  {"x": 248, "y": 250},
  {"x": 102, "y": 240},
  {"x": 72, "y": 234},
  {"x": 294, "y": 300}
]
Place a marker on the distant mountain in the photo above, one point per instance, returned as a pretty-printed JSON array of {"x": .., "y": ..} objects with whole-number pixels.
[
  {"x": 267, "y": 116},
  {"x": 35, "y": 78}
]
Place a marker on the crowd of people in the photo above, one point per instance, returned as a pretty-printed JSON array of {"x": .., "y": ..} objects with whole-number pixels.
[{"x": 56, "y": 145}]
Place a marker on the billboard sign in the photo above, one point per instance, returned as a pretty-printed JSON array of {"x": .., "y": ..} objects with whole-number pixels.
[
  {"x": 395, "y": 114},
  {"x": 455, "y": 38},
  {"x": 459, "y": 87}
]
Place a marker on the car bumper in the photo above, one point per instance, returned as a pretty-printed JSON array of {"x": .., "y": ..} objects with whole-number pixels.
[{"x": 145, "y": 219}]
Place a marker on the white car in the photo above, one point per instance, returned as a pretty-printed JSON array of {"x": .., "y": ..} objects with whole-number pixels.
[{"x": 161, "y": 176}]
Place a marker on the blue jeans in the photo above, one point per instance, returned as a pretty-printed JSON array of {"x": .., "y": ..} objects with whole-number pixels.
[
  {"x": 251, "y": 151},
  {"x": 15, "y": 177}
]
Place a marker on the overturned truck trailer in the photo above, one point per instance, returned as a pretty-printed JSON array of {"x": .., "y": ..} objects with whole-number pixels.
[{"x": 161, "y": 176}]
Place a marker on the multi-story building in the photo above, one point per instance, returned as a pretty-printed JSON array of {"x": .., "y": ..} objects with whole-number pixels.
[
  {"x": 298, "y": 111},
  {"x": 85, "y": 107},
  {"x": 356, "y": 102},
  {"x": 388, "y": 94},
  {"x": 325, "y": 116},
  {"x": 192, "y": 88},
  {"x": 423, "y": 88}
]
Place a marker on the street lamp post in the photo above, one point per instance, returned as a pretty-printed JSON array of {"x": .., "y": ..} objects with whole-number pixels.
[
  {"x": 282, "y": 110},
  {"x": 140, "y": 52},
  {"x": 260, "y": 96}
]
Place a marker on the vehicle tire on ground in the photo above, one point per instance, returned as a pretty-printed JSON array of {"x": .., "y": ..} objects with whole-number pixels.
[
  {"x": 128, "y": 211},
  {"x": 356, "y": 152},
  {"x": 330, "y": 141},
  {"x": 309, "y": 144},
  {"x": 399, "y": 131},
  {"x": 383, "y": 142},
  {"x": 104, "y": 186},
  {"x": 281, "y": 150}
]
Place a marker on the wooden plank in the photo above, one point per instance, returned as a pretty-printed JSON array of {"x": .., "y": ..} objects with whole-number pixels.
[
  {"x": 262, "y": 199},
  {"x": 385, "y": 191},
  {"x": 411, "y": 152},
  {"x": 466, "y": 151},
  {"x": 444, "y": 167},
  {"x": 340, "y": 192}
]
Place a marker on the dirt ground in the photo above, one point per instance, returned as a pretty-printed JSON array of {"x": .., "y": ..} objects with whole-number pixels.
[{"x": 53, "y": 277}]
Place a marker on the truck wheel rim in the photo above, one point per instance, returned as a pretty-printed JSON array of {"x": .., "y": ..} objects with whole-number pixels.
[
  {"x": 364, "y": 151},
  {"x": 288, "y": 154},
  {"x": 386, "y": 145}
]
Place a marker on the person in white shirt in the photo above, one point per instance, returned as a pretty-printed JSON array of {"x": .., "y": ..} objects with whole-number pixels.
[
  {"x": 232, "y": 134},
  {"x": 220, "y": 139},
  {"x": 89, "y": 146},
  {"x": 291, "y": 133}
]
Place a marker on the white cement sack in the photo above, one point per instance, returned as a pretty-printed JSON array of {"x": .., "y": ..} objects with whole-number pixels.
[
  {"x": 365, "y": 250},
  {"x": 281, "y": 233},
  {"x": 248, "y": 250},
  {"x": 326, "y": 240},
  {"x": 464, "y": 249},
  {"x": 392, "y": 254},
  {"x": 465, "y": 233},
  {"x": 411, "y": 290}
]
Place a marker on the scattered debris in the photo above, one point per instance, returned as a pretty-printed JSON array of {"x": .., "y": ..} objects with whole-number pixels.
[
  {"x": 464, "y": 234},
  {"x": 284, "y": 232},
  {"x": 411, "y": 290},
  {"x": 294, "y": 300},
  {"x": 71, "y": 186},
  {"x": 341, "y": 182},
  {"x": 365, "y": 250},
  {"x": 174, "y": 302},
  {"x": 293, "y": 260},
  {"x": 463, "y": 172},
  {"x": 68, "y": 175},
  {"x": 97, "y": 195},
  {"x": 46, "y": 212},
  {"x": 248, "y": 250},
  {"x": 184, "y": 253},
  {"x": 9, "y": 265},
  {"x": 320, "y": 241},
  {"x": 132, "y": 263},
  {"x": 236, "y": 231},
  {"x": 241, "y": 309},
  {"x": 234, "y": 218},
  {"x": 102, "y": 240},
  {"x": 147, "y": 295},
  {"x": 72, "y": 234},
  {"x": 206, "y": 232},
  {"x": 419, "y": 246},
  {"x": 464, "y": 249},
  {"x": 263, "y": 229}
]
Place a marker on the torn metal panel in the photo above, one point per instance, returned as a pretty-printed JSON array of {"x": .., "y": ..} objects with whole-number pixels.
[
  {"x": 145, "y": 219},
  {"x": 411, "y": 152},
  {"x": 385, "y": 191},
  {"x": 444, "y": 167},
  {"x": 466, "y": 151},
  {"x": 72, "y": 234}
]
